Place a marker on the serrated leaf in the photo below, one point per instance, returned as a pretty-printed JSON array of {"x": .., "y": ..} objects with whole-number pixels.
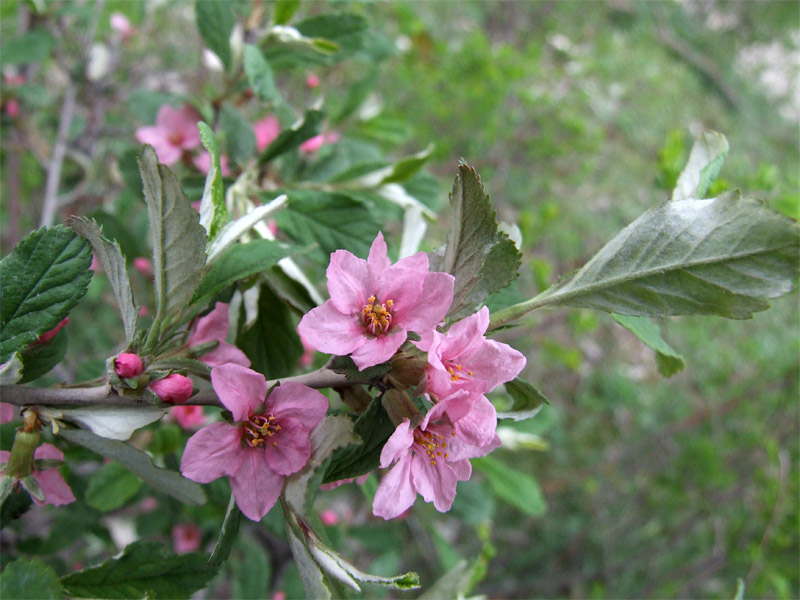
[
  {"x": 725, "y": 256},
  {"x": 144, "y": 570},
  {"x": 113, "y": 263},
  {"x": 373, "y": 427},
  {"x": 668, "y": 361},
  {"x": 168, "y": 482},
  {"x": 291, "y": 138},
  {"x": 704, "y": 164},
  {"x": 177, "y": 238},
  {"x": 111, "y": 487},
  {"x": 259, "y": 74},
  {"x": 284, "y": 11},
  {"x": 11, "y": 370},
  {"x": 213, "y": 211},
  {"x": 513, "y": 486},
  {"x": 527, "y": 400},
  {"x": 240, "y": 261},
  {"x": 38, "y": 359},
  {"x": 31, "y": 579},
  {"x": 333, "y": 221},
  {"x": 215, "y": 21},
  {"x": 239, "y": 137},
  {"x": 227, "y": 535},
  {"x": 472, "y": 235},
  {"x": 42, "y": 279},
  {"x": 310, "y": 573}
]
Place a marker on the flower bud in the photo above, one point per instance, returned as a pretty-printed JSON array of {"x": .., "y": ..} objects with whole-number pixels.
[
  {"x": 174, "y": 388},
  {"x": 49, "y": 335},
  {"x": 128, "y": 365},
  {"x": 399, "y": 406},
  {"x": 408, "y": 371}
]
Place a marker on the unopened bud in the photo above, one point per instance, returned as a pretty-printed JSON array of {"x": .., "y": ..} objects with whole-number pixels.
[
  {"x": 128, "y": 365},
  {"x": 408, "y": 371},
  {"x": 174, "y": 388},
  {"x": 399, "y": 407}
]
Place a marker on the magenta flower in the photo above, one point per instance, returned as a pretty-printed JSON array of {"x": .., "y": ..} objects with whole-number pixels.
[
  {"x": 174, "y": 132},
  {"x": 188, "y": 416},
  {"x": 268, "y": 441},
  {"x": 51, "y": 482},
  {"x": 266, "y": 130},
  {"x": 174, "y": 388},
  {"x": 128, "y": 365},
  {"x": 214, "y": 327},
  {"x": 374, "y": 304},
  {"x": 429, "y": 460}
]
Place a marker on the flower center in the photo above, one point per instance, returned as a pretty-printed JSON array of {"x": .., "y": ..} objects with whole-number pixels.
[
  {"x": 175, "y": 138},
  {"x": 257, "y": 430},
  {"x": 377, "y": 318},
  {"x": 432, "y": 444},
  {"x": 457, "y": 373}
]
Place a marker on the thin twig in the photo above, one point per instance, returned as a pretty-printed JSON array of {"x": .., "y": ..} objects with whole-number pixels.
[{"x": 57, "y": 158}]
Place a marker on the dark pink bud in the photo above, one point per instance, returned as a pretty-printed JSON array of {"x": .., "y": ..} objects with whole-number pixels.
[
  {"x": 174, "y": 388},
  {"x": 144, "y": 266},
  {"x": 312, "y": 81},
  {"x": 128, "y": 365},
  {"x": 49, "y": 335}
]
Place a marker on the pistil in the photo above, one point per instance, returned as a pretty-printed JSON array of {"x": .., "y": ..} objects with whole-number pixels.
[
  {"x": 258, "y": 429},
  {"x": 377, "y": 317}
]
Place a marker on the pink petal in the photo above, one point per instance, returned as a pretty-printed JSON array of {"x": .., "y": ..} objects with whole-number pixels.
[
  {"x": 212, "y": 452},
  {"x": 56, "y": 491},
  {"x": 495, "y": 363},
  {"x": 289, "y": 449},
  {"x": 255, "y": 487},
  {"x": 266, "y": 130},
  {"x": 188, "y": 416},
  {"x": 4, "y": 454},
  {"x": 397, "y": 445},
  {"x": 347, "y": 282},
  {"x": 213, "y": 326},
  {"x": 378, "y": 259},
  {"x": 377, "y": 350},
  {"x": 312, "y": 144},
  {"x": 181, "y": 123},
  {"x": 395, "y": 492},
  {"x": 435, "y": 483},
  {"x": 456, "y": 405},
  {"x": 296, "y": 401},
  {"x": 479, "y": 425},
  {"x": 225, "y": 353},
  {"x": 432, "y": 304},
  {"x": 328, "y": 330},
  {"x": 466, "y": 336},
  {"x": 7, "y": 412},
  {"x": 240, "y": 389},
  {"x": 151, "y": 134},
  {"x": 462, "y": 469},
  {"x": 48, "y": 452}
]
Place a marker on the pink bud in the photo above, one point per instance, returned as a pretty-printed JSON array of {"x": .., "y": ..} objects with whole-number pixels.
[
  {"x": 174, "y": 388},
  {"x": 329, "y": 517},
  {"x": 49, "y": 335},
  {"x": 12, "y": 108},
  {"x": 144, "y": 266},
  {"x": 128, "y": 365},
  {"x": 312, "y": 144},
  {"x": 186, "y": 538},
  {"x": 143, "y": 312},
  {"x": 312, "y": 81},
  {"x": 279, "y": 595},
  {"x": 120, "y": 23}
]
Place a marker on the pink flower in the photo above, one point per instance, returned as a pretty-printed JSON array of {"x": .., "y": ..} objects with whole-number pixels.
[
  {"x": 186, "y": 538},
  {"x": 266, "y": 130},
  {"x": 268, "y": 441},
  {"x": 374, "y": 304},
  {"x": 49, "y": 335},
  {"x": 174, "y": 388},
  {"x": 214, "y": 327},
  {"x": 329, "y": 517},
  {"x": 428, "y": 460},
  {"x": 174, "y": 132},
  {"x": 312, "y": 81},
  {"x": 55, "y": 489},
  {"x": 335, "y": 484},
  {"x": 121, "y": 25},
  {"x": 144, "y": 266},
  {"x": 313, "y": 144},
  {"x": 279, "y": 595},
  {"x": 7, "y": 412},
  {"x": 128, "y": 365},
  {"x": 203, "y": 164},
  {"x": 188, "y": 416},
  {"x": 12, "y": 107}
]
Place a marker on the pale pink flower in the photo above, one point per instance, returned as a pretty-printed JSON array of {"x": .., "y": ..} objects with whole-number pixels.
[
  {"x": 188, "y": 416},
  {"x": 174, "y": 388},
  {"x": 128, "y": 364},
  {"x": 174, "y": 132},
  {"x": 186, "y": 538},
  {"x": 266, "y": 130},
  {"x": 268, "y": 441},
  {"x": 313, "y": 144},
  {"x": 149, "y": 504},
  {"x": 52, "y": 483},
  {"x": 374, "y": 304},
  {"x": 312, "y": 81},
  {"x": 144, "y": 266},
  {"x": 329, "y": 517},
  {"x": 203, "y": 164},
  {"x": 428, "y": 460},
  {"x": 214, "y": 327},
  {"x": 12, "y": 107},
  {"x": 49, "y": 335},
  {"x": 121, "y": 25},
  {"x": 7, "y": 412},
  {"x": 279, "y": 595}
]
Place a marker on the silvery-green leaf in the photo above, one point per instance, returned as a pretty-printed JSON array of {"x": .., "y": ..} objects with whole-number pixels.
[
  {"x": 310, "y": 573},
  {"x": 227, "y": 535},
  {"x": 32, "y": 486},
  {"x": 704, "y": 164},
  {"x": 235, "y": 229},
  {"x": 669, "y": 362},
  {"x": 514, "y": 439},
  {"x": 213, "y": 212},
  {"x": 450, "y": 585},
  {"x": 11, "y": 370},
  {"x": 114, "y": 423},
  {"x": 113, "y": 263},
  {"x": 259, "y": 74}
]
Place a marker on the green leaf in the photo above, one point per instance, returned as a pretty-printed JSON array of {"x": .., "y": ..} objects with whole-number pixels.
[
  {"x": 669, "y": 362},
  {"x": 111, "y": 487},
  {"x": 373, "y": 427},
  {"x": 528, "y": 401},
  {"x": 452, "y": 584},
  {"x": 472, "y": 235},
  {"x": 113, "y": 263},
  {"x": 704, "y": 164},
  {"x": 213, "y": 211},
  {"x": 237, "y": 262},
  {"x": 31, "y": 47},
  {"x": 408, "y": 166},
  {"x": 259, "y": 75},
  {"x": 290, "y": 291},
  {"x": 310, "y": 574},
  {"x": 239, "y": 137},
  {"x": 11, "y": 370},
  {"x": 513, "y": 486},
  {"x": 725, "y": 256},
  {"x": 252, "y": 573},
  {"x": 739, "y": 590},
  {"x": 177, "y": 238},
  {"x": 29, "y": 579},
  {"x": 38, "y": 359},
  {"x": 347, "y": 31},
  {"x": 291, "y": 138},
  {"x": 271, "y": 343},
  {"x": 145, "y": 570},
  {"x": 42, "y": 279},
  {"x": 284, "y": 11},
  {"x": 168, "y": 482},
  {"x": 227, "y": 535},
  {"x": 215, "y": 21},
  {"x": 333, "y": 221},
  {"x": 348, "y": 368}
]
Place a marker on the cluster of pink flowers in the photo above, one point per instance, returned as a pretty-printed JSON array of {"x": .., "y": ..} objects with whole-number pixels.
[{"x": 373, "y": 306}]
